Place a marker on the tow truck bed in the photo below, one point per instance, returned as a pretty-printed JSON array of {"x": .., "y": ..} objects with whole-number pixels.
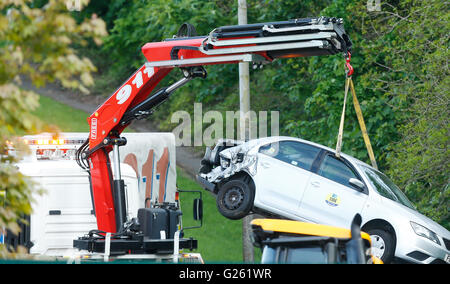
[
  {"x": 134, "y": 246},
  {"x": 257, "y": 43}
]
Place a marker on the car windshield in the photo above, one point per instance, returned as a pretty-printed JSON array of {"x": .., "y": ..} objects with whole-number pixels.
[
  {"x": 304, "y": 255},
  {"x": 386, "y": 187}
]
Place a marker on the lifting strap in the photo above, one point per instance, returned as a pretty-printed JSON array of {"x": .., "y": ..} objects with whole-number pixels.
[
  {"x": 362, "y": 125},
  {"x": 341, "y": 125}
]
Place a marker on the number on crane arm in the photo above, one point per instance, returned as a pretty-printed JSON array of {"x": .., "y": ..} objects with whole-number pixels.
[{"x": 125, "y": 92}]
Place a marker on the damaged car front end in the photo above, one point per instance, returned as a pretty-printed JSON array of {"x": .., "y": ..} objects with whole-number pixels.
[
  {"x": 226, "y": 159},
  {"x": 291, "y": 178},
  {"x": 227, "y": 171}
]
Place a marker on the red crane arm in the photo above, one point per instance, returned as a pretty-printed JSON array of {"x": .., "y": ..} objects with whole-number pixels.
[{"x": 259, "y": 43}]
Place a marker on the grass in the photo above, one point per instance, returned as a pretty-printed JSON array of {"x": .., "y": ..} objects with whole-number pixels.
[
  {"x": 67, "y": 119},
  {"x": 219, "y": 239}
]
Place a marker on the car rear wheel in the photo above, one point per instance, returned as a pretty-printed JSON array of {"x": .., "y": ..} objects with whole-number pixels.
[
  {"x": 383, "y": 246},
  {"x": 235, "y": 199}
]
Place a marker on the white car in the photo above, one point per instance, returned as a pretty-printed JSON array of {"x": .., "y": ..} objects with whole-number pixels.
[{"x": 300, "y": 180}]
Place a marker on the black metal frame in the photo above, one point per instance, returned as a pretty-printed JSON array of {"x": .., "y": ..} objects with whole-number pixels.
[
  {"x": 140, "y": 245},
  {"x": 13, "y": 241},
  {"x": 197, "y": 215}
]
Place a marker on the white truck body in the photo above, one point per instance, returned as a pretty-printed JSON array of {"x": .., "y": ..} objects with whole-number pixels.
[{"x": 65, "y": 211}]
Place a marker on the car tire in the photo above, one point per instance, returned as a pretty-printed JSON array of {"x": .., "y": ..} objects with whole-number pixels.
[
  {"x": 383, "y": 245},
  {"x": 235, "y": 199}
]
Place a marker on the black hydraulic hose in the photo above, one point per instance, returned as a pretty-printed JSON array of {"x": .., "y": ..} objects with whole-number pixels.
[
  {"x": 80, "y": 158},
  {"x": 144, "y": 107}
]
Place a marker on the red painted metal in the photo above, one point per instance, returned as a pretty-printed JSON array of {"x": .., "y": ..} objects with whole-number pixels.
[
  {"x": 104, "y": 122},
  {"x": 348, "y": 65},
  {"x": 160, "y": 51},
  {"x": 107, "y": 117},
  {"x": 101, "y": 179}
]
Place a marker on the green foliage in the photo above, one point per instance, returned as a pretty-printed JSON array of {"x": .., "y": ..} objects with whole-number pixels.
[
  {"x": 146, "y": 21},
  {"x": 61, "y": 117},
  {"x": 36, "y": 41},
  {"x": 400, "y": 57},
  {"x": 414, "y": 43}
]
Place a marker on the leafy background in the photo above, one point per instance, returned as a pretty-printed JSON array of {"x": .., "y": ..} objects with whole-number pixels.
[
  {"x": 401, "y": 59},
  {"x": 38, "y": 41},
  {"x": 400, "y": 55}
]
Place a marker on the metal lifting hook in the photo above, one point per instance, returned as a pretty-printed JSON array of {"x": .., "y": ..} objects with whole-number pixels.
[{"x": 348, "y": 65}]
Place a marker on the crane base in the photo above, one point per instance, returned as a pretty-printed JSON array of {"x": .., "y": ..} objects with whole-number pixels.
[{"x": 130, "y": 246}]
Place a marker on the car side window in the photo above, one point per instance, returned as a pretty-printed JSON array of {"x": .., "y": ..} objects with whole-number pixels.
[
  {"x": 295, "y": 153},
  {"x": 336, "y": 170}
]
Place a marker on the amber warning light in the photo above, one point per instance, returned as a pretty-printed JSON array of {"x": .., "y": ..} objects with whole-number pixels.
[{"x": 47, "y": 147}]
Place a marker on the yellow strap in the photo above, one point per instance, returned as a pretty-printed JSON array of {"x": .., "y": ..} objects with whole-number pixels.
[
  {"x": 341, "y": 125},
  {"x": 362, "y": 125}
]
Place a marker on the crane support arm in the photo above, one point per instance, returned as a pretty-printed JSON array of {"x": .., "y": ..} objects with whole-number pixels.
[{"x": 259, "y": 43}]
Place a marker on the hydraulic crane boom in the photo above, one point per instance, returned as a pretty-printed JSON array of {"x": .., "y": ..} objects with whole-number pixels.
[{"x": 258, "y": 43}]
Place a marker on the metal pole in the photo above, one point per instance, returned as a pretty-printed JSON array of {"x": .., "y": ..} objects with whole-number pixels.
[
  {"x": 116, "y": 160},
  {"x": 244, "y": 79},
  {"x": 244, "y": 95},
  {"x": 118, "y": 190}
]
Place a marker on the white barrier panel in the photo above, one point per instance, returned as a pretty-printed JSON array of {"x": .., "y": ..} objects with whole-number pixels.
[{"x": 152, "y": 156}]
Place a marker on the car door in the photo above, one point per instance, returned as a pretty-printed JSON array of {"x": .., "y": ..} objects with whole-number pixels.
[
  {"x": 329, "y": 198},
  {"x": 283, "y": 173}
]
